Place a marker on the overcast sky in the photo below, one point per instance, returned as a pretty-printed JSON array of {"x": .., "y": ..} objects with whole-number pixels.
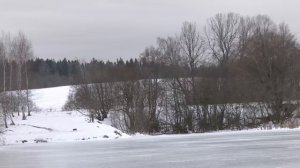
[{"x": 109, "y": 29}]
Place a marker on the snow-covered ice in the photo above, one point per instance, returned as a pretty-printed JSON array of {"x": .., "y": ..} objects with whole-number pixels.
[{"x": 245, "y": 149}]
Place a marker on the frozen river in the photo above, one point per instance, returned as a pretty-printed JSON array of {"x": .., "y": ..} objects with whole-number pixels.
[{"x": 274, "y": 149}]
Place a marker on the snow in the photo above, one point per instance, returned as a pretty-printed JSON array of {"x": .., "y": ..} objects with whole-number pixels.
[
  {"x": 244, "y": 149},
  {"x": 58, "y": 127},
  {"x": 51, "y": 99},
  {"x": 51, "y": 124}
]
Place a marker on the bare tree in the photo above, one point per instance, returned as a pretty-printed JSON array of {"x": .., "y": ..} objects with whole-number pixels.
[
  {"x": 181, "y": 117},
  {"x": 152, "y": 89},
  {"x": 192, "y": 50},
  {"x": 3, "y": 56},
  {"x": 97, "y": 99},
  {"x": 222, "y": 34},
  {"x": 132, "y": 105},
  {"x": 105, "y": 97},
  {"x": 272, "y": 61},
  {"x": 192, "y": 46},
  {"x": 170, "y": 51},
  {"x": 22, "y": 52},
  {"x": 222, "y": 38},
  {"x": 3, "y": 96},
  {"x": 5, "y": 45},
  {"x": 10, "y": 60}
]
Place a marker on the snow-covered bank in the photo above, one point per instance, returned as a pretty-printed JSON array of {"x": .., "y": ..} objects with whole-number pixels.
[
  {"x": 51, "y": 124},
  {"x": 58, "y": 127}
]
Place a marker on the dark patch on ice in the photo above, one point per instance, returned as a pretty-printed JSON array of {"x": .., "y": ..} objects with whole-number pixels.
[
  {"x": 117, "y": 133},
  {"x": 49, "y": 129},
  {"x": 40, "y": 140}
]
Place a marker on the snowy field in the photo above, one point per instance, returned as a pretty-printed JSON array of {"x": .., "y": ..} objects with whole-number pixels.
[
  {"x": 51, "y": 124},
  {"x": 250, "y": 149}
]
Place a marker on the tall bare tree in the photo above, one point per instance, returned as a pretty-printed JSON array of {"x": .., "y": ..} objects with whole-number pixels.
[
  {"x": 272, "y": 58},
  {"x": 222, "y": 38},
  {"x": 22, "y": 52},
  {"x": 222, "y": 34},
  {"x": 192, "y": 50},
  {"x": 3, "y": 96}
]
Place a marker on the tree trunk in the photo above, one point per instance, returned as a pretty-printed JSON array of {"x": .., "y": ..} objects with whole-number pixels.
[
  {"x": 23, "y": 113},
  {"x": 27, "y": 91},
  {"x": 11, "y": 120},
  {"x": 10, "y": 88},
  {"x": 5, "y": 118}
]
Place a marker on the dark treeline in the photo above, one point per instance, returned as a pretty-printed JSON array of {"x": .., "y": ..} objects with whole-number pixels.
[
  {"x": 45, "y": 73},
  {"x": 50, "y": 73}
]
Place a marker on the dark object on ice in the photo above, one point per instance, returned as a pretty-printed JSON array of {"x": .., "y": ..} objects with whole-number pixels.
[
  {"x": 49, "y": 129},
  {"x": 24, "y": 141},
  {"x": 40, "y": 141},
  {"x": 74, "y": 129},
  {"x": 117, "y": 133},
  {"x": 105, "y": 136}
]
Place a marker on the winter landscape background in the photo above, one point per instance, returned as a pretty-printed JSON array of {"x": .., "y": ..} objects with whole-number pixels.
[{"x": 132, "y": 83}]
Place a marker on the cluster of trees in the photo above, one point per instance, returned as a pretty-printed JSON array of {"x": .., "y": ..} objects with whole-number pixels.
[
  {"x": 15, "y": 51},
  {"x": 237, "y": 72}
]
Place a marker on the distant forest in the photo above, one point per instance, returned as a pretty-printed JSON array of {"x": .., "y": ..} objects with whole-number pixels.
[
  {"x": 43, "y": 73},
  {"x": 50, "y": 73}
]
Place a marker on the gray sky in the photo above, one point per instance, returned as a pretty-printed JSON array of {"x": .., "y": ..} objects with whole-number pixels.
[{"x": 109, "y": 29}]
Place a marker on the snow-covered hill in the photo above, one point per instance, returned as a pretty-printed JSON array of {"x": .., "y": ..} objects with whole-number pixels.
[
  {"x": 51, "y": 99},
  {"x": 51, "y": 124}
]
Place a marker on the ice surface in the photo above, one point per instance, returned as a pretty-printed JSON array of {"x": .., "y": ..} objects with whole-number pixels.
[{"x": 252, "y": 149}]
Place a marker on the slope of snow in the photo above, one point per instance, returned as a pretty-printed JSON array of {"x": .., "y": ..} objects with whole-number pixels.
[
  {"x": 51, "y": 124},
  {"x": 58, "y": 127},
  {"x": 51, "y": 99}
]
